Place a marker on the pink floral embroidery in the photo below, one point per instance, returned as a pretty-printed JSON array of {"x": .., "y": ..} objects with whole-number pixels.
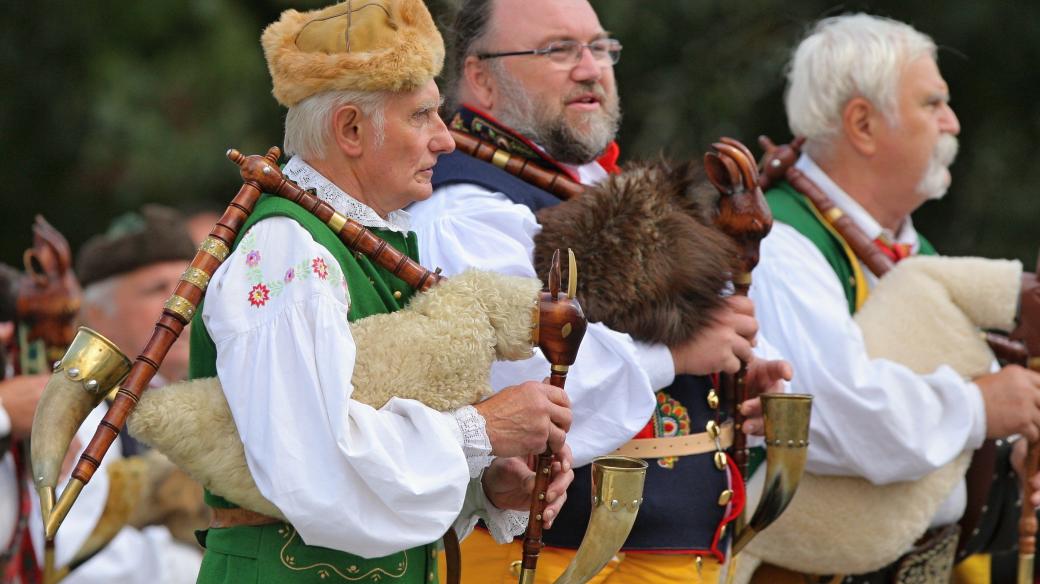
[
  {"x": 253, "y": 258},
  {"x": 290, "y": 275},
  {"x": 320, "y": 268},
  {"x": 259, "y": 295}
]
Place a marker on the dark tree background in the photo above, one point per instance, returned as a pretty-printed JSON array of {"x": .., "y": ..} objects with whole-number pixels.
[{"x": 106, "y": 106}]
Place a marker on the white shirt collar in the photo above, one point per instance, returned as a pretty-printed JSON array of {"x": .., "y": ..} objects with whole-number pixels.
[
  {"x": 589, "y": 174},
  {"x": 307, "y": 177},
  {"x": 907, "y": 234}
]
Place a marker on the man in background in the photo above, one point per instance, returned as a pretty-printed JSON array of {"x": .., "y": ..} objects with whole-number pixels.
[{"x": 867, "y": 94}]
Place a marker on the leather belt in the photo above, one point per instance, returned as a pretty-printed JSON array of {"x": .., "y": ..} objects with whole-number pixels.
[
  {"x": 677, "y": 445},
  {"x": 929, "y": 562},
  {"x": 239, "y": 518}
]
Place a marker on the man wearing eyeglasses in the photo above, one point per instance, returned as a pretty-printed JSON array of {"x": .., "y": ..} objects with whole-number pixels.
[{"x": 536, "y": 79}]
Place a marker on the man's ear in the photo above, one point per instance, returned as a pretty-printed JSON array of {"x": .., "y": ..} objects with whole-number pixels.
[
  {"x": 860, "y": 121},
  {"x": 480, "y": 85},
  {"x": 347, "y": 130}
]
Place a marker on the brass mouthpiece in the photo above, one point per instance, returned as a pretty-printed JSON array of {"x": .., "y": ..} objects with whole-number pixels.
[{"x": 62, "y": 508}]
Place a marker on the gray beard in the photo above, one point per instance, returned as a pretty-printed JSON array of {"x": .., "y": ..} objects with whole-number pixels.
[{"x": 561, "y": 141}]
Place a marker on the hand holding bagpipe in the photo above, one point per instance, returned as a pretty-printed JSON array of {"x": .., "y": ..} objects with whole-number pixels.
[{"x": 561, "y": 327}]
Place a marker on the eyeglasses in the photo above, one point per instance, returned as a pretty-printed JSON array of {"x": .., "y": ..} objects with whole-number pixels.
[{"x": 568, "y": 52}]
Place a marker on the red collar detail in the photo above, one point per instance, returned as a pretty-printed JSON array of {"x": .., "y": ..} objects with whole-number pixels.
[{"x": 608, "y": 160}]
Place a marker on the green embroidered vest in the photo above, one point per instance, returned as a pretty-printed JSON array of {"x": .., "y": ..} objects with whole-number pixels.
[
  {"x": 793, "y": 208},
  {"x": 275, "y": 553}
]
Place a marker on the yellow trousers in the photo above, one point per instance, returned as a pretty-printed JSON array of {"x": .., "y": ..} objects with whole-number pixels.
[{"x": 486, "y": 562}]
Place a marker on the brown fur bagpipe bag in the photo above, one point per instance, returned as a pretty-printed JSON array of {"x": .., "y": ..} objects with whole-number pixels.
[{"x": 653, "y": 264}]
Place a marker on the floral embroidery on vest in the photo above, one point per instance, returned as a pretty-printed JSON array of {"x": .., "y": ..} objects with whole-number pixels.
[
  {"x": 264, "y": 290},
  {"x": 670, "y": 419}
]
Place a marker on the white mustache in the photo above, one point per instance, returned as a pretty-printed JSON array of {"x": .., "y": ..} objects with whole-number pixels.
[
  {"x": 945, "y": 150},
  {"x": 935, "y": 181}
]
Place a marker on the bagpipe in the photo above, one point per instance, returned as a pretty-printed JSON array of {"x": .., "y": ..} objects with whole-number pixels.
[
  {"x": 92, "y": 367},
  {"x": 960, "y": 316},
  {"x": 660, "y": 243}
]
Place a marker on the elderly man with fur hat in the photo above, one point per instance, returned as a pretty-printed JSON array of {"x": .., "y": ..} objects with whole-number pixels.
[
  {"x": 366, "y": 492},
  {"x": 867, "y": 95}
]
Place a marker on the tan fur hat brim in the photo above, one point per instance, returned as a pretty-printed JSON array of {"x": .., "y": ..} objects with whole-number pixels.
[{"x": 415, "y": 56}]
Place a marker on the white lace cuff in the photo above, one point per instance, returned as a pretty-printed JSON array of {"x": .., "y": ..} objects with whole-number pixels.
[
  {"x": 502, "y": 524},
  {"x": 476, "y": 445}
]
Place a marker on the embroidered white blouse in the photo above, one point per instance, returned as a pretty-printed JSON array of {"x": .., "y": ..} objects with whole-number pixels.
[
  {"x": 872, "y": 418},
  {"x": 346, "y": 475}
]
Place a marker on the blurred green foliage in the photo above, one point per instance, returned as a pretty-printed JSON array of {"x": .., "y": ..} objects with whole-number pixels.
[{"x": 108, "y": 105}]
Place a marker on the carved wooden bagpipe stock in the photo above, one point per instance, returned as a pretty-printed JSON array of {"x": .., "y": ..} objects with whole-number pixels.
[{"x": 1021, "y": 347}]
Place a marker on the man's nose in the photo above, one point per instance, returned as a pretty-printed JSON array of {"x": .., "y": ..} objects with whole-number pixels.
[
  {"x": 948, "y": 122},
  {"x": 587, "y": 68},
  {"x": 442, "y": 142}
]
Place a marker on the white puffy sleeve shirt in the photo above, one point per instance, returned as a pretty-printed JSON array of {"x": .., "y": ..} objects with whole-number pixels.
[
  {"x": 872, "y": 418},
  {"x": 612, "y": 383},
  {"x": 346, "y": 475}
]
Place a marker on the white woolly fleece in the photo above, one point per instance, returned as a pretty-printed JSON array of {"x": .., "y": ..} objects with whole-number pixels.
[{"x": 437, "y": 350}]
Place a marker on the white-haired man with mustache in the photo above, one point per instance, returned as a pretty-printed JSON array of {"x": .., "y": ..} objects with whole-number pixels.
[{"x": 867, "y": 95}]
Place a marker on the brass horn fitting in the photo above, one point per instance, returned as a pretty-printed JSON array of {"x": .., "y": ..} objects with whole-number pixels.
[
  {"x": 786, "y": 419},
  {"x": 94, "y": 361},
  {"x": 617, "y": 495}
]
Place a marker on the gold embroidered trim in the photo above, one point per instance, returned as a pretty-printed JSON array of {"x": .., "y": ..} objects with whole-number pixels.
[{"x": 289, "y": 532}]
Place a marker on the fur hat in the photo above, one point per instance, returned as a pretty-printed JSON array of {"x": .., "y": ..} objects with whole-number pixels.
[
  {"x": 650, "y": 262},
  {"x": 134, "y": 240},
  {"x": 375, "y": 45}
]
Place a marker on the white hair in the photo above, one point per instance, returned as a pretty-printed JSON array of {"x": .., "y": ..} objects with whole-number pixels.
[
  {"x": 308, "y": 123},
  {"x": 844, "y": 57},
  {"x": 101, "y": 295}
]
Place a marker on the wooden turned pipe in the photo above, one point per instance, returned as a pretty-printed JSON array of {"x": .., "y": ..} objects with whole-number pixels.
[
  {"x": 259, "y": 174},
  {"x": 177, "y": 313},
  {"x": 556, "y": 183},
  {"x": 354, "y": 235},
  {"x": 561, "y": 327}
]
